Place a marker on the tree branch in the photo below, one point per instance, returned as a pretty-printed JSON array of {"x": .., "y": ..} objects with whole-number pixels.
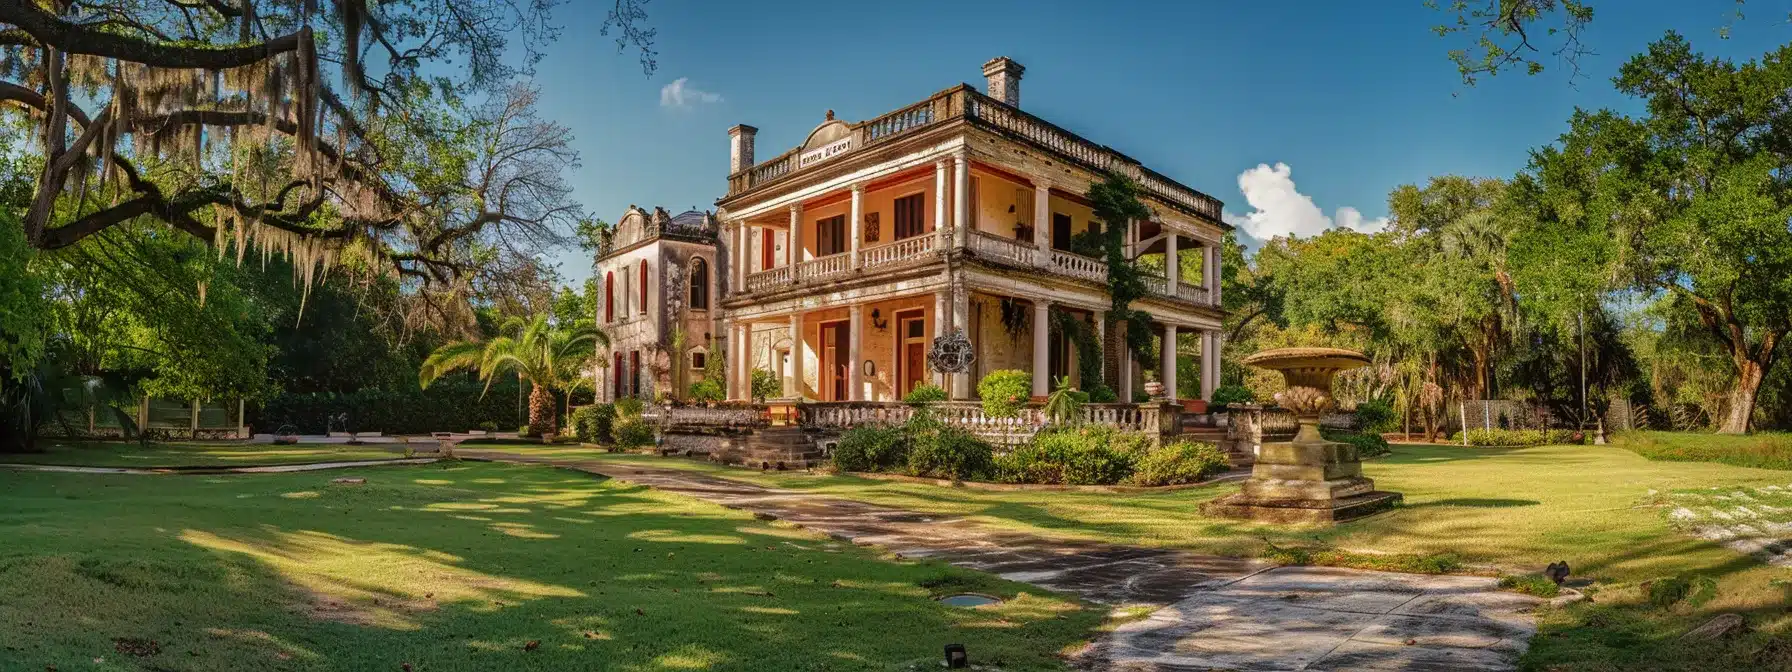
[{"x": 53, "y": 31}]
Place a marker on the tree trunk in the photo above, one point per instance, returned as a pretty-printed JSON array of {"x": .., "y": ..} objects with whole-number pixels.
[
  {"x": 541, "y": 410},
  {"x": 1742, "y": 399}
]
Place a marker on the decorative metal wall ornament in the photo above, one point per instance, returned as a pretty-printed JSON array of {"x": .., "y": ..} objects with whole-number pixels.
[
  {"x": 952, "y": 353},
  {"x": 871, "y": 227}
]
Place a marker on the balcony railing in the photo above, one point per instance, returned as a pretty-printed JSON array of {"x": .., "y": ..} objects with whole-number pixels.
[
  {"x": 1001, "y": 248},
  {"x": 769, "y": 278},
  {"x": 969, "y": 415},
  {"x": 913, "y": 247},
  {"x": 1079, "y": 266},
  {"x": 833, "y": 264},
  {"x": 965, "y": 103}
]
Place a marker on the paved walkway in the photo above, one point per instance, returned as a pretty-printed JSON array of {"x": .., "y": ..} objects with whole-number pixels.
[{"x": 1213, "y": 613}]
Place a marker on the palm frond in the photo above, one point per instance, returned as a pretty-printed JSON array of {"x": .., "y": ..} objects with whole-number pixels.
[{"x": 450, "y": 357}]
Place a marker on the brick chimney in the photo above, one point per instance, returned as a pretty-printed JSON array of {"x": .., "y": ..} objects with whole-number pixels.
[
  {"x": 1004, "y": 79},
  {"x": 740, "y": 148}
]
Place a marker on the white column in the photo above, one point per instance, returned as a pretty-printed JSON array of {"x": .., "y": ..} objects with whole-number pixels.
[
  {"x": 939, "y": 196},
  {"x": 1168, "y": 374},
  {"x": 1042, "y": 374},
  {"x": 961, "y": 319},
  {"x": 1172, "y": 272},
  {"x": 1101, "y": 344},
  {"x": 737, "y": 256},
  {"x": 1211, "y": 342},
  {"x": 855, "y": 376},
  {"x": 793, "y": 379},
  {"x": 746, "y": 360},
  {"x": 1210, "y": 268},
  {"x": 856, "y": 223},
  {"x": 1125, "y": 374},
  {"x": 961, "y": 198},
  {"x": 1042, "y": 220},
  {"x": 793, "y": 244}
]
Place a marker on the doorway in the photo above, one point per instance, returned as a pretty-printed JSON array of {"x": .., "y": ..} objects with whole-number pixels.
[
  {"x": 911, "y": 351},
  {"x": 835, "y": 357}
]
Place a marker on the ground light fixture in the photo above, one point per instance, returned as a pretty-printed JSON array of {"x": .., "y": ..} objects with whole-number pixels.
[{"x": 956, "y": 658}]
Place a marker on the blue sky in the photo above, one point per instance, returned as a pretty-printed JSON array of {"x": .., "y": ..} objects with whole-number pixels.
[{"x": 1354, "y": 98}]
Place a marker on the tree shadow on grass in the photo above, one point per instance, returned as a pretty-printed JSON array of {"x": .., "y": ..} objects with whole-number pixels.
[{"x": 1477, "y": 503}]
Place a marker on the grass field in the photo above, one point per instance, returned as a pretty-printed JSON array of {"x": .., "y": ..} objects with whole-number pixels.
[
  {"x": 1602, "y": 509},
  {"x": 194, "y": 454},
  {"x": 462, "y": 567},
  {"x": 1764, "y": 450}
]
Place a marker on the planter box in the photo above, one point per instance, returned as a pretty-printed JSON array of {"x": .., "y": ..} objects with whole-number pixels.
[{"x": 1194, "y": 405}]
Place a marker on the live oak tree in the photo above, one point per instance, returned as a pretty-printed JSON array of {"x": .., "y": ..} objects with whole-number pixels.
[
  {"x": 1690, "y": 203},
  {"x": 319, "y": 130}
]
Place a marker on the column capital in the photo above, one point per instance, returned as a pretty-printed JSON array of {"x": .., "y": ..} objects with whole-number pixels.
[
  {"x": 1044, "y": 183},
  {"x": 796, "y": 208},
  {"x": 858, "y": 187}
]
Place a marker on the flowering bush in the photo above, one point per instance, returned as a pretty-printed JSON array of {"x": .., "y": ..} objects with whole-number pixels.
[{"x": 1004, "y": 392}]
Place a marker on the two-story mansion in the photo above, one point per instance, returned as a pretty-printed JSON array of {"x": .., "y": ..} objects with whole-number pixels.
[
  {"x": 854, "y": 250},
  {"x": 660, "y": 276}
]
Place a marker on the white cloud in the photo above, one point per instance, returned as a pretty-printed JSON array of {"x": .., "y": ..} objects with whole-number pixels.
[
  {"x": 1281, "y": 210},
  {"x": 681, "y": 94}
]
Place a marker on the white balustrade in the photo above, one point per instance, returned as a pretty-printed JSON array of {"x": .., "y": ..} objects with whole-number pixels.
[
  {"x": 1195, "y": 293},
  {"x": 1079, "y": 266},
  {"x": 906, "y": 249},
  {"x": 768, "y": 279},
  {"x": 828, "y": 265},
  {"x": 1001, "y": 248}
]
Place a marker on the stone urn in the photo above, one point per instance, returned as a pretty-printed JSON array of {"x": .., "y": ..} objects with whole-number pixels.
[
  {"x": 1308, "y": 479},
  {"x": 1154, "y": 389}
]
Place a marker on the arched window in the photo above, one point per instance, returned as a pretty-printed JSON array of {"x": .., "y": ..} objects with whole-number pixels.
[
  {"x": 699, "y": 284},
  {"x": 609, "y": 297},
  {"x": 643, "y": 285}
]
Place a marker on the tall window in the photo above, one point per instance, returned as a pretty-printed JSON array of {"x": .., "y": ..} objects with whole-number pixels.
[
  {"x": 699, "y": 284},
  {"x": 911, "y": 217},
  {"x": 623, "y": 296},
  {"x": 643, "y": 285},
  {"x": 830, "y": 236},
  {"x": 610, "y": 297},
  {"x": 1060, "y": 231},
  {"x": 618, "y": 372},
  {"x": 767, "y": 246}
]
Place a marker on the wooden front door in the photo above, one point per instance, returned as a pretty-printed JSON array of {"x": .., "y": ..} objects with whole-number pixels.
[
  {"x": 911, "y": 358},
  {"x": 835, "y": 357}
]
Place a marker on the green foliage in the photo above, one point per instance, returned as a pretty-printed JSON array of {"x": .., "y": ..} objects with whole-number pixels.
[
  {"x": 707, "y": 390},
  {"x": 1115, "y": 201},
  {"x": 23, "y": 311},
  {"x": 1531, "y": 584},
  {"x": 449, "y": 405},
  {"x": 1179, "y": 463},
  {"x": 1065, "y": 405},
  {"x": 872, "y": 448},
  {"x": 1086, "y": 455},
  {"x": 629, "y": 408},
  {"x": 1760, "y": 450},
  {"x": 1376, "y": 416},
  {"x": 1331, "y": 556},
  {"x": 1005, "y": 392},
  {"x": 537, "y": 351},
  {"x": 1225, "y": 395},
  {"x": 1102, "y": 394},
  {"x": 592, "y": 424},
  {"x": 1520, "y": 437},
  {"x": 938, "y": 450},
  {"x": 766, "y": 385},
  {"x": 634, "y": 434},
  {"x": 1367, "y": 445},
  {"x": 923, "y": 394}
]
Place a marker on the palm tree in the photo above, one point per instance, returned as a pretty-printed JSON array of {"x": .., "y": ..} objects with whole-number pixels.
[{"x": 549, "y": 358}]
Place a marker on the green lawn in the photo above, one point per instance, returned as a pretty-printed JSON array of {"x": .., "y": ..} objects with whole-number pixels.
[
  {"x": 467, "y": 566},
  {"x": 1764, "y": 450},
  {"x": 191, "y": 454},
  {"x": 1602, "y": 509}
]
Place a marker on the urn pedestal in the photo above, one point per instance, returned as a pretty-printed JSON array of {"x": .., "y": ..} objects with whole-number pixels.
[{"x": 1309, "y": 479}]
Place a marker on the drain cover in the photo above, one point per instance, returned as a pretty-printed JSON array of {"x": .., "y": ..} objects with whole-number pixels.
[{"x": 969, "y": 600}]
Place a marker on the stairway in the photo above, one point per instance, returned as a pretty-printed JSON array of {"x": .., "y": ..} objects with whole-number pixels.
[
  {"x": 1238, "y": 453},
  {"x": 782, "y": 448}
]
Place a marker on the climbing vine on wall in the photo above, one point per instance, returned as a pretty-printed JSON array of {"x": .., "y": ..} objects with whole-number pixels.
[{"x": 1116, "y": 200}]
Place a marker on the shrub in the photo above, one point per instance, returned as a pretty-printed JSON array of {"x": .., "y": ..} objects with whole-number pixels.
[
  {"x": 593, "y": 423},
  {"x": 1520, "y": 437},
  {"x": 1531, "y": 584},
  {"x": 1178, "y": 463},
  {"x": 1004, "y": 392},
  {"x": 766, "y": 384},
  {"x": 634, "y": 434},
  {"x": 1102, "y": 394},
  {"x": 489, "y": 426},
  {"x": 926, "y": 393},
  {"x": 938, "y": 450},
  {"x": 628, "y": 408},
  {"x": 872, "y": 448},
  {"x": 1074, "y": 456},
  {"x": 1225, "y": 395},
  {"x": 454, "y": 403},
  {"x": 1367, "y": 445},
  {"x": 708, "y": 390},
  {"x": 1375, "y": 416}
]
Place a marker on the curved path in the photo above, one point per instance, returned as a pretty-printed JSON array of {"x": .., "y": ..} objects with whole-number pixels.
[{"x": 1210, "y": 612}]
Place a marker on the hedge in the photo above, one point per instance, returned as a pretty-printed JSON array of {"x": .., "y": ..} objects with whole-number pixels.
[
  {"x": 448, "y": 405},
  {"x": 1520, "y": 437}
]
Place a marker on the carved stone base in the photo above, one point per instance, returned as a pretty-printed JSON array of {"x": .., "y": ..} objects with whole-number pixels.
[{"x": 1310, "y": 511}]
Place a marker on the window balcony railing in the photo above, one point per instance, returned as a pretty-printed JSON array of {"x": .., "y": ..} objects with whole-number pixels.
[
  {"x": 1001, "y": 248},
  {"x": 913, "y": 247},
  {"x": 1079, "y": 266},
  {"x": 821, "y": 267},
  {"x": 768, "y": 278}
]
